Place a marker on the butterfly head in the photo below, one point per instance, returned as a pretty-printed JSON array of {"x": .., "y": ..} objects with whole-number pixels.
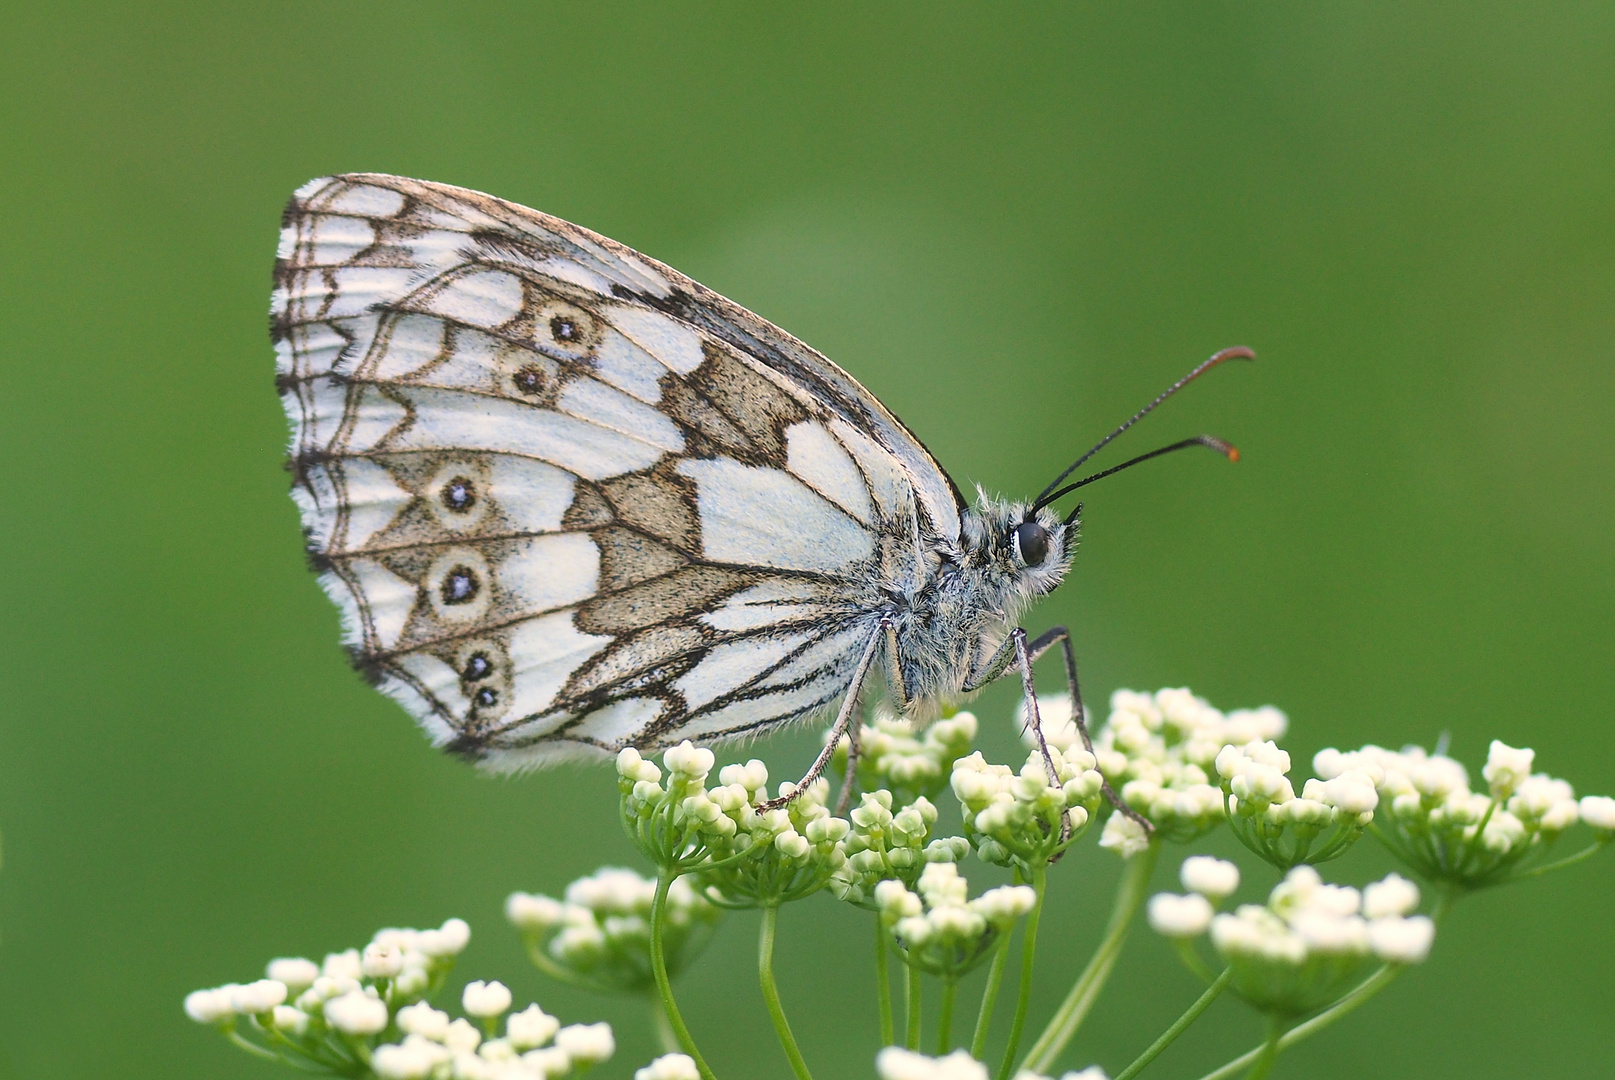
[{"x": 1026, "y": 552}]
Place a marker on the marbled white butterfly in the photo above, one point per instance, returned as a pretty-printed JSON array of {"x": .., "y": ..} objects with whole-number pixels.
[{"x": 569, "y": 500}]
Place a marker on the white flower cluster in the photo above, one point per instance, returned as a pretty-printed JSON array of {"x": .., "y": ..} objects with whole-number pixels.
[
  {"x": 1270, "y": 819},
  {"x": 894, "y": 757},
  {"x": 941, "y": 930},
  {"x": 1311, "y": 940},
  {"x": 327, "y": 1017},
  {"x": 885, "y": 845},
  {"x": 346, "y": 991},
  {"x": 669, "y": 1067},
  {"x": 1209, "y": 881},
  {"x": 1158, "y": 751},
  {"x": 1432, "y": 820},
  {"x": 599, "y": 935},
  {"x": 1010, "y": 816},
  {"x": 747, "y": 855},
  {"x": 534, "y": 1047},
  {"x": 896, "y": 1063}
]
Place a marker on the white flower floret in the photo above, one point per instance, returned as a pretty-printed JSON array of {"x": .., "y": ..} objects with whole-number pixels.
[
  {"x": 689, "y": 762},
  {"x": 1211, "y": 877},
  {"x": 1402, "y": 941},
  {"x": 530, "y": 1028},
  {"x": 533, "y": 913},
  {"x": 290, "y": 1020},
  {"x": 423, "y": 1020},
  {"x": 382, "y": 960},
  {"x": 896, "y": 1063},
  {"x": 1180, "y": 916},
  {"x": 669, "y": 1067},
  {"x": 1598, "y": 811},
  {"x": 414, "y": 1059},
  {"x": 462, "y": 1036},
  {"x": 632, "y": 767},
  {"x": 548, "y": 1062},
  {"x": 257, "y": 998},
  {"x": 342, "y": 965},
  {"x": 1395, "y": 895},
  {"x": 450, "y": 939},
  {"x": 296, "y": 972},
  {"x": 1506, "y": 768},
  {"x": 485, "y": 999},
  {"x": 588, "y": 1044},
  {"x": 356, "y": 1013},
  {"x": 209, "y": 1006},
  {"x": 1124, "y": 836}
]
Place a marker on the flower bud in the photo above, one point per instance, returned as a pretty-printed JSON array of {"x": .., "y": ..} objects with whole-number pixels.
[
  {"x": 485, "y": 999},
  {"x": 1210, "y": 877},
  {"x": 1402, "y": 941},
  {"x": 587, "y": 1044},
  {"x": 356, "y": 1013},
  {"x": 1179, "y": 916},
  {"x": 1506, "y": 768},
  {"x": 297, "y": 973}
]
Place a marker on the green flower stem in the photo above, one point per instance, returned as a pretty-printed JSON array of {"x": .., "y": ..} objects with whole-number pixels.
[
  {"x": 658, "y": 965},
  {"x": 1353, "y": 998},
  {"x": 883, "y": 985},
  {"x": 665, "y": 1038},
  {"x": 1179, "y": 1026},
  {"x": 911, "y": 1001},
  {"x": 1269, "y": 1053},
  {"x": 1040, "y": 879},
  {"x": 944, "y": 1027},
  {"x": 1569, "y": 860},
  {"x": 989, "y": 998},
  {"x": 776, "y": 1012},
  {"x": 542, "y": 962},
  {"x": 1130, "y": 894},
  {"x": 251, "y": 1047},
  {"x": 1363, "y": 991}
]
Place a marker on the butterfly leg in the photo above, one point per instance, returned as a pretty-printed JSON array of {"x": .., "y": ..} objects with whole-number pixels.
[
  {"x": 1017, "y": 651},
  {"x": 844, "y": 718}
]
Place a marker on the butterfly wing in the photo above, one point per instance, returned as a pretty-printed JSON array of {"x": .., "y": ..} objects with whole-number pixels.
[{"x": 567, "y": 499}]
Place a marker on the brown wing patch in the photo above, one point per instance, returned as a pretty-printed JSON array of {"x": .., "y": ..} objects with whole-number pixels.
[
  {"x": 658, "y": 654},
  {"x": 659, "y": 504},
  {"x": 679, "y": 595},
  {"x": 628, "y": 557},
  {"x": 756, "y": 405},
  {"x": 589, "y": 509}
]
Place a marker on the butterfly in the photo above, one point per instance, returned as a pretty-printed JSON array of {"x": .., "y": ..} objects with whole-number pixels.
[{"x": 570, "y": 501}]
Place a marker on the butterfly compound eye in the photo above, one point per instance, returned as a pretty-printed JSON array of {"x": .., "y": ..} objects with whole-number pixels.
[{"x": 1031, "y": 543}]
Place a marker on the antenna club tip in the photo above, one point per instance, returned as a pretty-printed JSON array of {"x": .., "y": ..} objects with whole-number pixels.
[
  {"x": 1234, "y": 352},
  {"x": 1233, "y": 453}
]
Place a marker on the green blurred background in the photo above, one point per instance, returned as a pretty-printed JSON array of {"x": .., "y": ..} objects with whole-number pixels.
[{"x": 1015, "y": 224}]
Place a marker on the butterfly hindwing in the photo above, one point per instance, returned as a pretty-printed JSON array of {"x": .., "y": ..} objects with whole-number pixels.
[{"x": 566, "y": 499}]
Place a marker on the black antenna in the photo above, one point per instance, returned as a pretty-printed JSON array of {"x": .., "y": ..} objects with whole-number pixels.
[
  {"x": 1237, "y": 352},
  {"x": 1211, "y": 442}
]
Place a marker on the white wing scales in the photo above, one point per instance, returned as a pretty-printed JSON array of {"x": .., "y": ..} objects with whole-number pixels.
[{"x": 567, "y": 499}]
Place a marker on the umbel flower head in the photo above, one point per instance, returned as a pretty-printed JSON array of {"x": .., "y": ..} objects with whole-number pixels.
[
  {"x": 1158, "y": 751},
  {"x": 938, "y": 928},
  {"x": 366, "y": 1012},
  {"x": 1309, "y": 943},
  {"x": 743, "y": 856},
  {"x": 1027, "y": 817},
  {"x": 883, "y": 845},
  {"x": 908, "y": 764},
  {"x": 1286, "y": 830},
  {"x": 598, "y": 936},
  {"x": 1465, "y": 839}
]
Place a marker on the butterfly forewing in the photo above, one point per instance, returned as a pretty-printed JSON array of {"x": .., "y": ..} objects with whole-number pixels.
[{"x": 567, "y": 499}]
